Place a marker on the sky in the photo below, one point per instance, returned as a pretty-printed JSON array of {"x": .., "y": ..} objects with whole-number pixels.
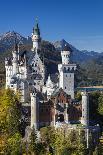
[{"x": 80, "y": 22}]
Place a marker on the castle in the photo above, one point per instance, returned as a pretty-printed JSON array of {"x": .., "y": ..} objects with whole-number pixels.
[{"x": 50, "y": 103}]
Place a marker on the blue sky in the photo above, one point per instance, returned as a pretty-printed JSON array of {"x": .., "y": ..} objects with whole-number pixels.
[{"x": 79, "y": 22}]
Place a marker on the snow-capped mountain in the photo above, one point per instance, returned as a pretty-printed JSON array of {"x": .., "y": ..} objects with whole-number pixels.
[{"x": 7, "y": 40}]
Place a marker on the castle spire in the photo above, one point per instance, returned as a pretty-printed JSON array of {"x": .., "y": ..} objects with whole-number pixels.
[
  {"x": 36, "y": 29},
  {"x": 36, "y": 39},
  {"x": 15, "y": 43}
]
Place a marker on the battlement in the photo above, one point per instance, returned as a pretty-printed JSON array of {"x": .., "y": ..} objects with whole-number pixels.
[
  {"x": 69, "y": 68},
  {"x": 66, "y": 53},
  {"x": 33, "y": 94}
]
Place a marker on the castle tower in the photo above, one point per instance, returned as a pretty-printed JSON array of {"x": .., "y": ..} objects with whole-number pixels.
[
  {"x": 34, "y": 111},
  {"x": 9, "y": 71},
  {"x": 85, "y": 109},
  {"x": 66, "y": 72},
  {"x": 25, "y": 67},
  {"x": 36, "y": 39},
  {"x": 15, "y": 59}
]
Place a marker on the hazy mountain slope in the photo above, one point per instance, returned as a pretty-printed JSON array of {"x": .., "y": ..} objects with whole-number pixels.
[{"x": 77, "y": 55}]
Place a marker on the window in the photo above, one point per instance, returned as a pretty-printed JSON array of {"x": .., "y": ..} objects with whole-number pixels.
[
  {"x": 65, "y": 87},
  {"x": 64, "y": 68}
]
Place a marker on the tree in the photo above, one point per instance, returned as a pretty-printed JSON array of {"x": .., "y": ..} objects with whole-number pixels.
[
  {"x": 10, "y": 120},
  {"x": 78, "y": 96},
  {"x": 33, "y": 142},
  {"x": 93, "y": 107},
  {"x": 60, "y": 142},
  {"x": 10, "y": 112},
  {"x": 13, "y": 146},
  {"x": 35, "y": 146},
  {"x": 100, "y": 105}
]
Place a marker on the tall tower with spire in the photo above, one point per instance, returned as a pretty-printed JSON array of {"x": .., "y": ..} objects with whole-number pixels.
[
  {"x": 36, "y": 39},
  {"x": 66, "y": 72},
  {"x": 15, "y": 59}
]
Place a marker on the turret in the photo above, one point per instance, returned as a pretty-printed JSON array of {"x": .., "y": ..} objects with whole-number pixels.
[
  {"x": 66, "y": 71},
  {"x": 25, "y": 66},
  {"x": 36, "y": 39},
  {"x": 9, "y": 71},
  {"x": 66, "y": 54},
  {"x": 34, "y": 111},
  {"x": 15, "y": 59},
  {"x": 85, "y": 109}
]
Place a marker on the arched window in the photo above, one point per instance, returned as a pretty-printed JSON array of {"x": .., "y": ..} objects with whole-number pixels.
[{"x": 68, "y": 69}]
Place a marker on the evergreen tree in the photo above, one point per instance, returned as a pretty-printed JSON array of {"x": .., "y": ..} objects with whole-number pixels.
[{"x": 33, "y": 142}]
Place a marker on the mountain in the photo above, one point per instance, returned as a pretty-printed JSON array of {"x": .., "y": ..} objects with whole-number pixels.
[
  {"x": 91, "y": 66},
  {"x": 77, "y": 55},
  {"x": 7, "y": 40},
  {"x": 7, "y": 43}
]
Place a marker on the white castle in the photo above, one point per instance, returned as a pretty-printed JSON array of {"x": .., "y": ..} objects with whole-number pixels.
[{"x": 25, "y": 73}]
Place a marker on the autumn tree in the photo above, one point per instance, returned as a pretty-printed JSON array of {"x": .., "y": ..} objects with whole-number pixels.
[{"x": 10, "y": 119}]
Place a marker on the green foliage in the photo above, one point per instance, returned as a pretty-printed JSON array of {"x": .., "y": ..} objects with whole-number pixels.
[
  {"x": 98, "y": 150},
  {"x": 93, "y": 106},
  {"x": 10, "y": 112},
  {"x": 35, "y": 146},
  {"x": 100, "y": 105},
  {"x": 10, "y": 116},
  {"x": 78, "y": 96},
  {"x": 14, "y": 145},
  {"x": 33, "y": 141},
  {"x": 60, "y": 143}
]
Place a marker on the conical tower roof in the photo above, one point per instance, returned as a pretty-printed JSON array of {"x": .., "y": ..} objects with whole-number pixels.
[{"x": 36, "y": 30}]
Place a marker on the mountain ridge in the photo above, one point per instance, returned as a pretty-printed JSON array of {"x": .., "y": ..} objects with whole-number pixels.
[
  {"x": 80, "y": 56},
  {"x": 90, "y": 70}
]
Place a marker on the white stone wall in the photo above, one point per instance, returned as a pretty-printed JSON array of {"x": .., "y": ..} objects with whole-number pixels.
[
  {"x": 34, "y": 120},
  {"x": 9, "y": 74},
  {"x": 68, "y": 84},
  {"x": 66, "y": 78},
  {"x": 65, "y": 57},
  {"x": 23, "y": 72},
  {"x": 14, "y": 62},
  {"x": 85, "y": 109},
  {"x": 36, "y": 40}
]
